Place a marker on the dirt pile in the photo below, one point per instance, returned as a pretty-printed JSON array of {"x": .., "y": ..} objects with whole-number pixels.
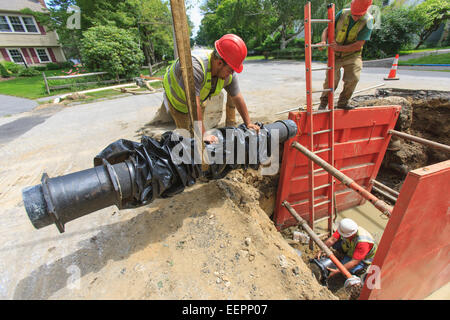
[{"x": 213, "y": 241}]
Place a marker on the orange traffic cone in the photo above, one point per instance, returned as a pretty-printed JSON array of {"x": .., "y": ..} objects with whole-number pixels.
[{"x": 393, "y": 72}]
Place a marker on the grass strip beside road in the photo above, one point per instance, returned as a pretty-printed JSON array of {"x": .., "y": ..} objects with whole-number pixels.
[{"x": 431, "y": 59}]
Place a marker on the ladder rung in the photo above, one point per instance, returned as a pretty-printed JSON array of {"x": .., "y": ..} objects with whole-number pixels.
[
  {"x": 324, "y": 90},
  {"x": 322, "y": 186},
  {"x": 318, "y": 170},
  {"x": 321, "y": 219},
  {"x": 321, "y": 203},
  {"x": 319, "y": 69},
  {"x": 322, "y": 150},
  {"x": 319, "y": 45},
  {"x": 320, "y": 20},
  {"x": 322, "y": 131}
]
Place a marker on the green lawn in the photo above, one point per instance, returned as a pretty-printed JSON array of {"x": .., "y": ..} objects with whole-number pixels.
[
  {"x": 34, "y": 88},
  {"x": 431, "y": 59},
  {"x": 404, "y": 52}
]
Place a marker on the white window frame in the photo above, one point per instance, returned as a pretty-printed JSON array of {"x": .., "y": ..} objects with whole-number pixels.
[
  {"x": 21, "y": 22},
  {"x": 11, "y": 30},
  {"x": 11, "y": 58},
  {"x": 46, "y": 51}
]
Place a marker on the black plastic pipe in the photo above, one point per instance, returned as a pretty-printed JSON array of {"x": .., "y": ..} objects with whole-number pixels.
[{"x": 65, "y": 198}]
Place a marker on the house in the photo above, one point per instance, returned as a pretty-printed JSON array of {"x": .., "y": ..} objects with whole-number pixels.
[{"x": 22, "y": 39}]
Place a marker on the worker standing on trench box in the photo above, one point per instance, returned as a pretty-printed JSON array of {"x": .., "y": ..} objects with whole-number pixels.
[
  {"x": 212, "y": 73},
  {"x": 355, "y": 243},
  {"x": 353, "y": 28}
]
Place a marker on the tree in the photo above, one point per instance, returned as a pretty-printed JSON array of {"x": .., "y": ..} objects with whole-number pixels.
[
  {"x": 250, "y": 19},
  {"x": 110, "y": 49},
  {"x": 430, "y": 14},
  {"x": 396, "y": 32}
]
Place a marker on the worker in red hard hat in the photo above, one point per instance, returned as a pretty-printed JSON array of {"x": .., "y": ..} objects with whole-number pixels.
[
  {"x": 356, "y": 244},
  {"x": 353, "y": 27},
  {"x": 212, "y": 73}
]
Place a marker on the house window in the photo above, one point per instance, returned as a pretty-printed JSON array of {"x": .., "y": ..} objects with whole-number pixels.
[
  {"x": 29, "y": 24},
  {"x": 16, "y": 56},
  {"x": 4, "y": 25},
  {"x": 43, "y": 56},
  {"x": 16, "y": 24}
]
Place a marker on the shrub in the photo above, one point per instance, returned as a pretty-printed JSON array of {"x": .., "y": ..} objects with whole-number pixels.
[
  {"x": 3, "y": 72},
  {"x": 52, "y": 66},
  {"x": 13, "y": 68},
  {"x": 113, "y": 50},
  {"x": 28, "y": 72}
]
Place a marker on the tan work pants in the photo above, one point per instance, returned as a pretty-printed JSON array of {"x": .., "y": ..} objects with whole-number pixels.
[
  {"x": 182, "y": 120},
  {"x": 352, "y": 70}
]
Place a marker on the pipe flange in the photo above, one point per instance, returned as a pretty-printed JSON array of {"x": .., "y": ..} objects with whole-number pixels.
[
  {"x": 115, "y": 182},
  {"x": 50, "y": 207},
  {"x": 130, "y": 165}
]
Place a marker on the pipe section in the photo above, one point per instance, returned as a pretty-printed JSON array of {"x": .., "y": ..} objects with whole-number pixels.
[{"x": 130, "y": 174}]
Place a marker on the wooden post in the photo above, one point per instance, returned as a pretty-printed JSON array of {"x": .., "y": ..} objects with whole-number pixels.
[
  {"x": 46, "y": 83},
  {"x": 183, "y": 44}
]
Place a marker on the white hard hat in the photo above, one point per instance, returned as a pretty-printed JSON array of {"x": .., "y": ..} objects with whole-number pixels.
[{"x": 347, "y": 227}]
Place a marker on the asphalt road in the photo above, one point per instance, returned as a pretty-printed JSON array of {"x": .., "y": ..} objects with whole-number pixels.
[{"x": 268, "y": 87}]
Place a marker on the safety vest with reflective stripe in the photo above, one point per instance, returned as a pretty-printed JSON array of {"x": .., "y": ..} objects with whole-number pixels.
[
  {"x": 342, "y": 27},
  {"x": 176, "y": 94},
  {"x": 362, "y": 235}
]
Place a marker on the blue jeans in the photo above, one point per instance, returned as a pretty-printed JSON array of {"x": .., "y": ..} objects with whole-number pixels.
[{"x": 338, "y": 246}]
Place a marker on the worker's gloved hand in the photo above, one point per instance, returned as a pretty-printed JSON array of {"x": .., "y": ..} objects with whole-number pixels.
[
  {"x": 333, "y": 272},
  {"x": 320, "y": 254},
  {"x": 210, "y": 139},
  {"x": 253, "y": 126}
]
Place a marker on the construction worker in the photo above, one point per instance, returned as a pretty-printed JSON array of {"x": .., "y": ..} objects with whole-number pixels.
[
  {"x": 353, "y": 28},
  {"x": 212, "y": 73},
  {"x": 355, "y": 243}
]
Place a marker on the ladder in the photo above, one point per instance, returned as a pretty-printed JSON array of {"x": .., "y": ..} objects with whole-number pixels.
[{"x": 330, "y": 201}]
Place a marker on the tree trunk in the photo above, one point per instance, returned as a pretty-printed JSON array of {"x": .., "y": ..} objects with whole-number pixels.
[{"x": 147, "y": 57}]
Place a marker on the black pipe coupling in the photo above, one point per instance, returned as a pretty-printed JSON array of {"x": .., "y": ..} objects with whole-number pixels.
[{"x": 130, "y": 174}]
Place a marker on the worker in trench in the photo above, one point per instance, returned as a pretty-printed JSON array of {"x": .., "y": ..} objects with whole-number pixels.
[
  {"x": 353, "y": 27},
  {"x": 212, "y": 73},
  {"x": 354, "y": 244}
]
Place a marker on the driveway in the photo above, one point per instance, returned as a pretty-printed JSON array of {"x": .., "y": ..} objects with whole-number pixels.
[{"x": 10, "y": 105}]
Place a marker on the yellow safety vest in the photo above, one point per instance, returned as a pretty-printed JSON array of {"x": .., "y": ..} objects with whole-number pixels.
[
  {"x": 362, "y": 235},
  {"x": 341, "y": 31},
  {"x": 176, "y": 94}
]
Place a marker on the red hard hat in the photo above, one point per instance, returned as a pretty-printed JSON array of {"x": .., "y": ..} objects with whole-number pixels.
[
  {"x": 233, "y": 50},
  {"x": 360, "y": 7}
]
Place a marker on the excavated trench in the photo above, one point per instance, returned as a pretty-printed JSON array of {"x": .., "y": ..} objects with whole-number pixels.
[{"x": 424, "y": 114}]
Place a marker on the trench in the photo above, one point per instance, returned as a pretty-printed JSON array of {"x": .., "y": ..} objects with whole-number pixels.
[{"x": 424, "y": 114}]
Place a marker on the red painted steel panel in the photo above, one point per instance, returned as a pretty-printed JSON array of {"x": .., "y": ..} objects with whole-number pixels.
[
  {"x": 361, "y": 138},
  {"x": 414, "y": 252}
]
